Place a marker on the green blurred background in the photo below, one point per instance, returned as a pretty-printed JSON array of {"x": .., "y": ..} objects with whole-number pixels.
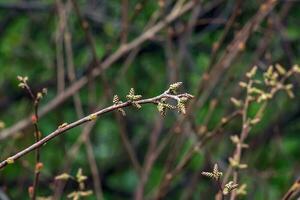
[{"x": 30, "y": 46}]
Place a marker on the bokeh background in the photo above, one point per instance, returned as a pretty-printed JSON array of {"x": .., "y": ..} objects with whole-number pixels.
[{"x": 209, "y": 45}]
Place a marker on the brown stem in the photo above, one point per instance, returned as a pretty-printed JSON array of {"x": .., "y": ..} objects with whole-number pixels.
[{"x": 65, "y": 127}]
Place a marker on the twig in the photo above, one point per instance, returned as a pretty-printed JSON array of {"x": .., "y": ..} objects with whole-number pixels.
[
  {"x": 64, "y": 127},
  {"x": 37, "y": 134},
  {"x": 94, "y": 169},
  {"x": 293, "y": 191},
  {"x": 149, "y": 159},
  {"x": 124, "y": 22},
  {"x": 59, "y": 46}
]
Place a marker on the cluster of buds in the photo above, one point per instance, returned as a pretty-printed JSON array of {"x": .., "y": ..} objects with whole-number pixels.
[
  {"x": 274, "y": 78},
  {"x": 24, "y": 84},
  {"x": 216, "y": 175},
  {"x": 117, "y": 101},
  {"x": 23, "y": 81},
  {"x": 174, "y": 87},
  {"x": 41, "y": 94},
  {"x": 181, "y": 104},
  {"x": 163, "y": 106},
  {"x": 182, "y": 100},
  {"x": 132, "y": 97},
  {"x": 80, "y": 178}
]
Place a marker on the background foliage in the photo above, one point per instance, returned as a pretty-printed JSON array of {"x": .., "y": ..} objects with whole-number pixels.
[{"x": 29, "y": 45}]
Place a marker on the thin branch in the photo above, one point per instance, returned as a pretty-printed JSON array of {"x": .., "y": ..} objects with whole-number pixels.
[
  {"x": 94, "y": 169},
  {"x": 65, "y": 127},
  {"x": 37, "y": 134}
]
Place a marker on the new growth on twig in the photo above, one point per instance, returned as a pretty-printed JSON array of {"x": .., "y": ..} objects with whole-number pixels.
[{"x": 132, "y": 100}]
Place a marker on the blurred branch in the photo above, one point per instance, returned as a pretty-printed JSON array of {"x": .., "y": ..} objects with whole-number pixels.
[
  {"x": 293, "y": 191},
  {"x": 149, "y": 159},
  {"x": 59, "y": 45},
  {"x": 206, "y": 87},
  {"x": 26, "y": 6},
  {"x": 124, "y": 22}
]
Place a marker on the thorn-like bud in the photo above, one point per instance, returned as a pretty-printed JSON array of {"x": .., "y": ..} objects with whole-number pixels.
[
  {"x": 243, "y": 84},
  {"x": 20, "y": 78},
  {"x": 21, "y": 85},
  {"x": 79, "y": 176},
  {"x": 92, "y": 117},
  {"x": 280, "y": 69},
  {"x": 10, "y": 160},
  {"x": 63, "y": 176},
  {"x": 237, "y": 103},
  {"x": 241, "y": 190},
  {"x": 252, "y": 72},
  {"x": 62, "y": 125}
]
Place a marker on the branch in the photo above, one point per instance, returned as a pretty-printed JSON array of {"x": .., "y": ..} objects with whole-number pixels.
[{"x": 132, "y": 101}]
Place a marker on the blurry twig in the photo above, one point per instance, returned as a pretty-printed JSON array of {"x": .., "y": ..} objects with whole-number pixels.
[
  {"x": 124, "y": 22},
  {"x": 59, "y": 46},
  {"x": 293, "y": 191}
]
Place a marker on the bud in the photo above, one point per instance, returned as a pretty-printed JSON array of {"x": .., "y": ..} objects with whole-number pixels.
[
  {"x": 92, "y": 117},
  {"x": 34, "y": 119},
  {"x": 10, "y": 160},
  {"x": 30, "y": 191},
  {"x": 280, "y": 69},
  {"x": 63, "y": 176},
  {"x": 39, "y": 166},
  {"x": 252, "y": 72}
]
